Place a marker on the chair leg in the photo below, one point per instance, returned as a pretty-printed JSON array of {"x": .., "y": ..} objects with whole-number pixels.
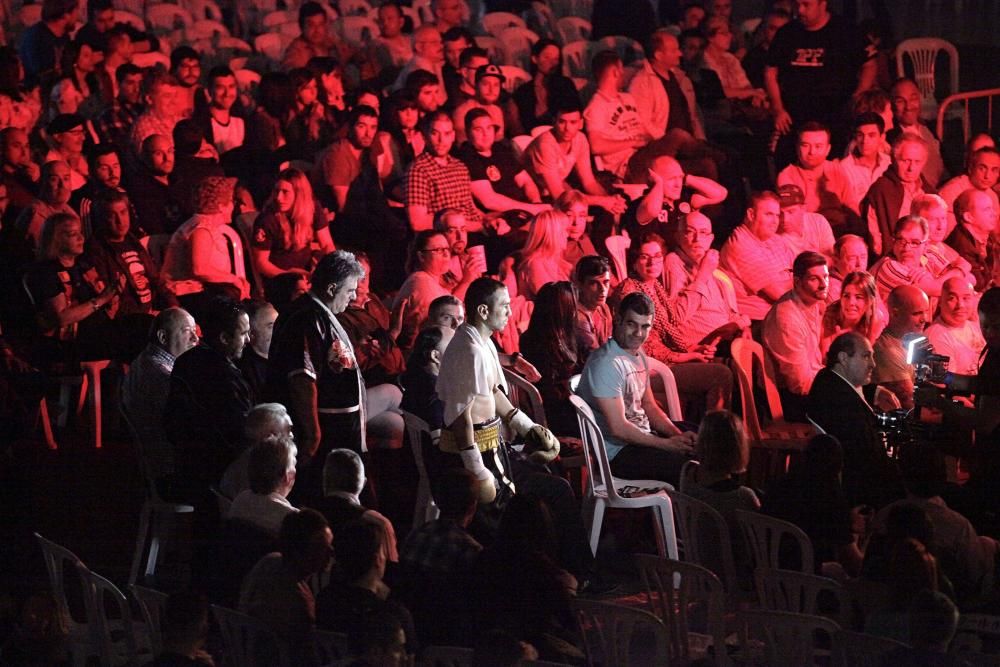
[
  {"x": 63, "y": 404},
  {"x": 140, "y": 541},
  {"x": 43, "y": 415},
  {"x": 95, "y": 389},
  {"x": 82, "y": 398},
  {"x": 596, "y": 521}
]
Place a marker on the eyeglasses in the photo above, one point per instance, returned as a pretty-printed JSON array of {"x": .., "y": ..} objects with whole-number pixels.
[
  {"x": 909, "y": 243},
  {"x": 695, "y": 233},
  {"x": 440, "y": 251},
  {"x": 650, "y": 258}
]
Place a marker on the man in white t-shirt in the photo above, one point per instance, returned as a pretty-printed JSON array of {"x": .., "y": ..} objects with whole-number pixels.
[
  {"x": 614, "y": 126},
  {"x": 952, "y": 333}
]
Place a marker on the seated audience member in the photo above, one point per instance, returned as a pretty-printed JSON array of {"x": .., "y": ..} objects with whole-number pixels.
[
  {"x": 437, "y": 559},
  {"x": 424, "y": 88},
  {"x": 157, "y": 208},
  {"x": 933, "y": 622},
  {"x": 184, "y": 627},
  {"x": 160, "y": 92},
  {"x": 549, "y": 343},
  {"x": 671, "y": 195},
  {"x": 265, "y": 422},
  {"x": 489, "y": 86},
  {"x": 826, "y": 190},
  {"x": 114, "y": 124},
  {"x": 74, "y": 308},
  {"x": 941, "y": 257},
  {"x": 912, "y": 568},
  {"x": 451, "y": 222},
  {"x": 380, "y": 641},
  {"x": 904, "y": 262},
  {"x": 756, "y": 58},
  {"x": 967, "y": 558},
  {"x": 373, "y": 331},
  {"x": 578, "y": 244},
  {"x": 436, "y": 180},
  {"x": 547, "y": 90},
  {"x": 276, "y": 590},
  {"x": 145, "y": 388},
  {"x": 592, "y": 281},
  {"x": 359, "y": 590},
  {"x": 757, "y": 258},
  {"x": 499, "y": 182},
  {"x": 185, "y": 65},
  {"x": 429, "y": 262},
  {"x": 866, "y": 161},
  {"x": 839, "y": 405},
  {"x": 17, "y": 171},
  {"x": 890, "y": 196},
  {"x": 665, "y": 94},
  {"x": 275, "y": 106},
  {"x": 401, "y": 141},
  {"x": 67, "y": 136},
  {"x": 563, "y": 151},
  {"x": 716, "y": 313},
  {"x": 105, "y": 175},
  {"x": 391, "y": 49},
  {"x": 858, "y": 308},
  {"x": 194, "y": 160},
  {"x": 542, "y": 258},
  {"x": 906, "y": 102},
  {"x": 271, "y": 472},
  {"x": 224, "y": 129},
  {"x": 118, "y": 255},
  {"x": 908, "y": 313},
  {"x": 428, "y": 55},
  {"x": 982, "y": 173},
  {"x": 719, "y": 58},
  {"x": 340, "y": 165},
  {"x": 420, "y": 396},
  {"x": 461, "y": 80},
  {"x": 722, "y": 453},
  {"x": 670, "y": 341},
  {"x": 803, "y": 229},
  {"x": 972, "y": 237},
  {"x": 613, "y": 125},
  {"x": 315, "y": 40},
  {"x": 811, "y": 497},
  {"x": 792, "y": 331},
  {"x": 641, "y": 440},
  {"x": 253, "y": 363},
  {"x": 53, "y": 198},
  {"x": 445, "y": 311},
  {"x": 311, "y": 125},
  {"x": 953, "y": 332},
  {"x": 288, "y": 226},
  {"x": 850, "y": 255},
  {"x": 208, "y": 399},
  {"x": 205, "y": 255}
]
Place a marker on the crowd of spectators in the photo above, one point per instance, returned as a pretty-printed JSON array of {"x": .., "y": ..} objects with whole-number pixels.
[{"x": 278, "y": 273}]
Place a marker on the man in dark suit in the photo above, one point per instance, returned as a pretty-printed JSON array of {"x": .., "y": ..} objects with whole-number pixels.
[{"x": 837, "y": 404}]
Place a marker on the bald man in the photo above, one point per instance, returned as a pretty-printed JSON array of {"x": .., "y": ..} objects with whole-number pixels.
[
  {"x": 908, "y": 312},
  {"x": 953, "y": 333},
  {"x": 977, "y": 220}
]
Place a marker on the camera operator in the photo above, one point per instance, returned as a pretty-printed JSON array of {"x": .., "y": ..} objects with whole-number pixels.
[
  {"x": 908, "y": 308},
  {"x": 838, "y": 405}
]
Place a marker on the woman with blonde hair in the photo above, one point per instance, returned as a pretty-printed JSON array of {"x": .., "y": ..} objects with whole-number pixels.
[
  {"x": 857, "y": 309},
  {"x": 542, "y": 257},
  {"x": 289, "y": 224}
]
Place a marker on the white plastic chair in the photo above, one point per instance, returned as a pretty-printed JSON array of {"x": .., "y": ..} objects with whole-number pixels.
[
  {"x": 626, "y": 47},
  {"x": 801, "y": 593},
  {"x": 273, "y": 19},
  {"x": 151, "y": 59},
  {"x": 539, "y": 129},
  {"x": 206, "y": 29},
  {"x": 357, "y": 30},
  {"x": 765, "y": 536},
  {"x": 234, "y": 44},
  {"x": 617, "y": 246},
  {"x": 525, "y": 397},
  {"x": 687, "y": 598},
  {"x": 29, "y": 15},
  {"x": 270, "y": 44},
  {"x": 922, "y": 53},
  {"x": 541, "y": 19},
  {"x": 520, "y": 144},
  {"x": 134, "y": 20},
  {"x": 573, "y": 29},
  {"x": 660, "y": 375},
  {"x": 496, "y": 22},
  {"x": 203, "y": 9},
  {"x": 290, "y": 30},
  {"x": 789, "y": 640},
  {"x": 705, "y": 538},
  {"x": 493, "y": 48},
  {"x": 618, "y": 636},
  {"x": 603, "y": 488},
  {"x": 856, "y": 649},
  {"x": 110, "y": 620},
  {"x": 572, "y": 7},
  {"x": 354, "y": 8},
  {"x": 576, "y": 59},
  {"x": 514, "y": 76},
  {"x": 247, "y": 641},
  {"x": 81, "y": 639},
  {"x": 424, "y": 510},
  {"x": 516, "y": 43},
  {"x": 166, "y": 17},
  {"x": 152, "y": 604},
  {"x": 246, "y": 79}
]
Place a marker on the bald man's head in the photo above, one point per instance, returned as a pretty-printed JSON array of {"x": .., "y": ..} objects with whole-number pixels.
[
  {"x": 908, "y": 309},
  {"x": 958, "y": 302}
]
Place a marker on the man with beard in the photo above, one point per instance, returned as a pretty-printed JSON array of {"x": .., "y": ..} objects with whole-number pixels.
[{"x": 157, "y": 210}]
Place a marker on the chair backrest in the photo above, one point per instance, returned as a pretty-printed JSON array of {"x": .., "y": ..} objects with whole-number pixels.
[
  {"x": 447, "y": 656},
  {"x": 574, "y": 383},
  {"x": 525, "y": 396},
  {"x": 273, "y": 19},
  {"x": 687, "y": 598},
  {"x": 617, "y": 245},
  {"x": 166, "y": 17},
  {"x": 661, "y": 377},
  {"x": 29, "y": 15},
  {"x": 856, "y": 649},
  {"x": 922, "y": 53},
  {"x": 573, "y": 29},
  {"x": 357, "y": 30},
  {"x": 235, "y": 44},
  {"x": 150, "y": 59},
  {"x": 247, "y": 79},
  {"x": 493, "y": 47},
  {"x": 516, "y": 43},
  {"x": 576, "y": 58},
  {"x": 331, "y": 647},
  {"x": 521, "y": 143},
  {"x": 57, "y": 558},
  {"x": 801, "y": 593},
  {"x": 768, "y": 540},
  {"x": 110, "y": 619},
  {"x": 611, "y": 633},
  {"x": 354, "y": 7},
  {"x": 206, "y": 29},
  {"x": 204, "y": 9},
  {"x": 705, "y": 537},
  {"x": 152, "y": 604},
  {"x": 514, "y": 76},
  {"x": 270, "y": 44},
  {"x": 541, "y": 19},
  {"x": 416, "y": 428},
  {"x": 790, "y": 640},
  {"x": 746, "y": 353},
  {"x": 627, "y": 48},
  {"x": 599, "y": 478},
  {"x": 247, "y": 641},
  {"x": 496, "y": 22},
  {"x": 134, "y": 20}
]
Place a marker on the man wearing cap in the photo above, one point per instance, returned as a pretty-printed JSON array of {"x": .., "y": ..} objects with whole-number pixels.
[
  {"x": 489, "y": 84},
  {"x": 803, "y": 229},
  {"x": 67, "y": 135},
  {"x": 612, "y": 119}
]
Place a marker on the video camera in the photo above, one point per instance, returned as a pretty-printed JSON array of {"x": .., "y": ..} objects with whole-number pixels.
[{"x": 928, "y": 366}]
